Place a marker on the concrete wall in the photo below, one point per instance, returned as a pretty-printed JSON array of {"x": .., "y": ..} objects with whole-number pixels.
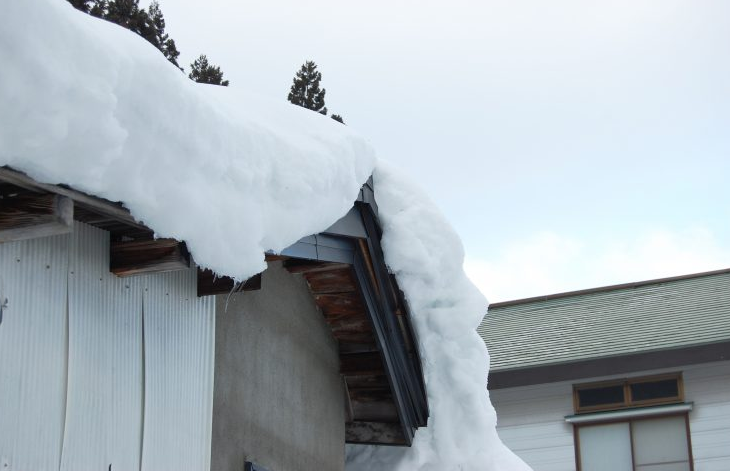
[
  {"x": 278, "y": 395},
  {"x": 531, "y": 418}
]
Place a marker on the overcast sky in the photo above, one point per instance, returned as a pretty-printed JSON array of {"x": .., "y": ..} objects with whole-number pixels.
[{"x": 571, "y": 144}]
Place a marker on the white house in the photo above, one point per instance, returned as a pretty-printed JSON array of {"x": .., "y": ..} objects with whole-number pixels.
[{"x": 627, "y": 377}]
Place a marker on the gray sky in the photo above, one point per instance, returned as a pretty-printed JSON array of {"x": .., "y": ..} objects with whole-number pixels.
[{"x": 572, "y": 144}]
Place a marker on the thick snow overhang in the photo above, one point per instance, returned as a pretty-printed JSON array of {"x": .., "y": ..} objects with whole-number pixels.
[{"x": 344, "y": 268}]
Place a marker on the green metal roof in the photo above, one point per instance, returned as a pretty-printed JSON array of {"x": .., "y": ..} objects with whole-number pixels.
[{"x": 611, "y": 321}]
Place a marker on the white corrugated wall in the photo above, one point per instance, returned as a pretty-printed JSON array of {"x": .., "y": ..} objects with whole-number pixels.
[
  {"x": 97, "y": 370},
  {"x": 33, "y": 352},
  {"x": 104, "y": 405},
  {"x": 179, "y": 336}
]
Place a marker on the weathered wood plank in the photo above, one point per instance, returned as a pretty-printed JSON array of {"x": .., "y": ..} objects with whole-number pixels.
[
  {"x": 361, "y": 364},
  {"x": 353, "y": 337},
  {"x": 35, "y": 215},
  {"x": 340, "y": 305},
  {"x": 115, "y": 210},
  {"x": 374, "y": 433},
  {"x": 210, "y": 284},
  {"x": 358, "y": 347},
  {"x": 368, "y": 382},
  {"x": 373, "y": 410},
  {"x": 332, "y": 281},
  {"x": 147, "y": 256}
]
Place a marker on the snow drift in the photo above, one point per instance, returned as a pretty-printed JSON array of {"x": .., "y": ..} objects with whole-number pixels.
[{"x": 86, "y": 103}]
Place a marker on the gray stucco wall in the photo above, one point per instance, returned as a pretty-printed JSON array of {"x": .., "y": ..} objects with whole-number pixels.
[{"x": 278, "y": 396}]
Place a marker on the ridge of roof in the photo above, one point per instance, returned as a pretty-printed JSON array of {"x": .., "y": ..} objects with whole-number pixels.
[{"x": 601, "y": 289}]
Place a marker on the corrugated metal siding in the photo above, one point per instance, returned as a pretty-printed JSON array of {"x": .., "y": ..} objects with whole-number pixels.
[
  {"x": 104, "y": 405},
  {"x": 33, "y": 352},
  {"x": 664, "y": 315},
  {"x": 531, "y": 419},
  {"x": 126, "y": 397},
  {"x": 179, "y": 336}
]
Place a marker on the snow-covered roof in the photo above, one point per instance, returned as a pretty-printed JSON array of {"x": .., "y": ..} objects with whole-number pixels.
[{"x": 91, "y": 105}]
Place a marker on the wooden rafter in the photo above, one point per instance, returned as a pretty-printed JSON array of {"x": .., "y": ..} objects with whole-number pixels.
[
  {"x": 29, "y": 215},
  {"x": 147, "y": 256}
]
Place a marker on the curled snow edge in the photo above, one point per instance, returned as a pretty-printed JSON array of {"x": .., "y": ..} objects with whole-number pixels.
[
  {"x": 86, "y": 103},
  {"x": 426, "y": 256}
]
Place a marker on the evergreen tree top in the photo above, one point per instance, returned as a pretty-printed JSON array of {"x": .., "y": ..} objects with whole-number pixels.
[
  {"x": 202, "y": 71},
  {"x": 127, "y": 13},
  {"x": 305, "y": 90}
]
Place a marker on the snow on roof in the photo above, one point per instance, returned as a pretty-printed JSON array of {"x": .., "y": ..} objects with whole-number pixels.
[
  {"x": 89, "y": 104},
  {"x": 426, "y": 256}
]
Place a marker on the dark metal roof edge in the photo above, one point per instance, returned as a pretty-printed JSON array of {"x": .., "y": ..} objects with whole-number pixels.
[
  {"x": 601, "y": 289},
  {"x": 609, "y": 365}
]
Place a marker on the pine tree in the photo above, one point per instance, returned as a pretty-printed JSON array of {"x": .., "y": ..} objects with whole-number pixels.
[
  {"x": 203, "y": 72},
  {"x": 338, "y": 118},
  {"x": 98, "y": 8},
  {"x": 127, "y": 13},
  {"x": 82, "y": 5},
  {"x": 305, "y": 90},
  {"x": 93, "y": 7},
  {"x": 162, "y": 40}
]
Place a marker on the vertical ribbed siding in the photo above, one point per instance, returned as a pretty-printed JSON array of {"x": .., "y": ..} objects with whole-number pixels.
[
  {"x": 78, "y": 389},
  {"x": 104, "y": 401},
  {"x": 33, "y": 352},
  {"x": 179, "y": 335}
]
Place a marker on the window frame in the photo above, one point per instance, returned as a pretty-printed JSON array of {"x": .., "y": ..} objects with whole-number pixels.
[
  {"x": 576, "y": 435},
  {"x": 628, "y": 401}
]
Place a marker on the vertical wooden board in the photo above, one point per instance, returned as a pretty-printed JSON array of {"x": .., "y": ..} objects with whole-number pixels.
[
  {"x": 33, "y": 352},
  {"x": 104, "y": 401},
  {"x": 179, "y": 336}
]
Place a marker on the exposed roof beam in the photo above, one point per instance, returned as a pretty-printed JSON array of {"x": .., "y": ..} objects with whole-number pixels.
[
  {"x": 35, "y": 215},
  {"x": 138, "y": 257},
  {"x": 92, "y": 203}
]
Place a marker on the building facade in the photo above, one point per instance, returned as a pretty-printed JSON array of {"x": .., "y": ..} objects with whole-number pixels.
[{"x": 627, "y": 377}]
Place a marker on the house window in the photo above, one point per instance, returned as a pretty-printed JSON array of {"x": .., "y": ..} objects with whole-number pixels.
[
  {"x": 632, "y": 425},
  {"x": 652, "y": 444},
  {"x": 627, "y": 393}
]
